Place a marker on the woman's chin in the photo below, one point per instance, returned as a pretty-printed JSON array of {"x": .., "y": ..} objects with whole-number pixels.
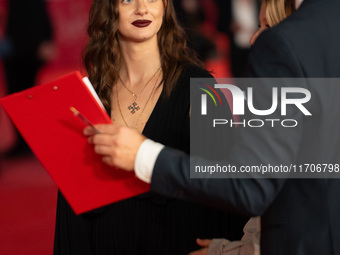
[{"x": 139, "y": 38}]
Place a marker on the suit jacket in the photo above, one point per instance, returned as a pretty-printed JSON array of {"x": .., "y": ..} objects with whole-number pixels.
[{"x": 298, "y": 216}]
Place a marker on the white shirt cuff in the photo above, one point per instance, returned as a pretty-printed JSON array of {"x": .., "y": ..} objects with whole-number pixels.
[{"x": 146, "y": 159}]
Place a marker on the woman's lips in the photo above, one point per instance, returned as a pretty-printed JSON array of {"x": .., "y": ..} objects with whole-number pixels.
[{"x": 141, "y": 23}]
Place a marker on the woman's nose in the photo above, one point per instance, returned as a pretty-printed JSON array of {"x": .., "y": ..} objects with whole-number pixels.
[{"x": 141, "y": 7}]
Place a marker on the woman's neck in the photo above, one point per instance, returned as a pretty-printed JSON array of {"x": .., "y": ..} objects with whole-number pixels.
[{"x": 140, "y": 60}]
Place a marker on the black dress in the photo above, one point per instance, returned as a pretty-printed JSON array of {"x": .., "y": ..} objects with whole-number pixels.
[{"x": 150, "y": 223}]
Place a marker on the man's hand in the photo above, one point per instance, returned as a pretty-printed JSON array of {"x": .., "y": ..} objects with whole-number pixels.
[
  {"x": 204, "y": 243},
  {"x": 117, "y": 144}
]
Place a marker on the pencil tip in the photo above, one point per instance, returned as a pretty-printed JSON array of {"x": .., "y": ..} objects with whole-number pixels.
[{"x": 74, "y": 110}]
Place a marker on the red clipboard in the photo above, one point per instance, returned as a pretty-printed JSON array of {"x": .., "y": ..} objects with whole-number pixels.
[{"x": 43, "y": 117}]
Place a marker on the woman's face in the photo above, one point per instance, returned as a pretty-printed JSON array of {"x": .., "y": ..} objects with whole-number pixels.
[
  {"x": 140, "y": 20},
  {"x": 263, "y": 23}
]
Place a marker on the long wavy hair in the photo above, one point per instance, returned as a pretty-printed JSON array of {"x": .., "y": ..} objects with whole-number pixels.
[
  {"x": 102, "y": 55},
  {"x": 278, "y": 10}
]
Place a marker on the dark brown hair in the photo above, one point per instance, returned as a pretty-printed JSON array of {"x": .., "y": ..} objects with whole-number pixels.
[{"x": 102, "y": 56}]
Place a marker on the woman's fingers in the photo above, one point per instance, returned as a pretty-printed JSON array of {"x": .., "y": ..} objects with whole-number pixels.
[{"x": 203, "y": 242}]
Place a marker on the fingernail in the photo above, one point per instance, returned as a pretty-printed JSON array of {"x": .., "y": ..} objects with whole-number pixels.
[{"x": 87, "y": 131}]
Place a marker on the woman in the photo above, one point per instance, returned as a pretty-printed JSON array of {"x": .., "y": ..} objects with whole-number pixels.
[
  {"x": 272, "y": 12},
  {"x": 139, "y": 64}
]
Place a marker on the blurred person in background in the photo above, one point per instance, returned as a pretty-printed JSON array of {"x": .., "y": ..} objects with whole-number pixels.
[
  {"x": 7, "y": 137},
  {"x": 238, "y": 20},
  {"x": 243, "y": 25},
  {"x": 29, "y": 39},
  {"x": 27, "y": 45},
  {"x": 192, "y": 17}
]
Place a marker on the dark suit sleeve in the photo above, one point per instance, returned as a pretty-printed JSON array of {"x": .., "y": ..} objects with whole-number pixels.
[
  {"x": 272, "y": 56},
  {"x": 171, "y": 177}
]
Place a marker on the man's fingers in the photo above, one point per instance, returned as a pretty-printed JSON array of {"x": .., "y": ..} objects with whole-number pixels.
[
  {"x": 101, "y": 139},
  {"x": 102, "y": 128},
  {"x": 118, "y": 144},
  {"x": 103, "y": 150},
  {"x": 88, "y": 131},
  {"x": 107, "y": 129},
  {"x": 108, "y": 160}
]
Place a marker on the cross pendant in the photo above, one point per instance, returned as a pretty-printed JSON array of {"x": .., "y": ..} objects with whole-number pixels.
[{"x": 133, "y": 108}]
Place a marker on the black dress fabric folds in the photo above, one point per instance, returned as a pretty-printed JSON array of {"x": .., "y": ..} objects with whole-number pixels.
[{"x": 150, "y": 223}]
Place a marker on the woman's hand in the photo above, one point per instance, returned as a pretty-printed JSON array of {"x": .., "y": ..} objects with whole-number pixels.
[
  {"x": 117, "y": 144},
  {"x": 205, "y": 244}
]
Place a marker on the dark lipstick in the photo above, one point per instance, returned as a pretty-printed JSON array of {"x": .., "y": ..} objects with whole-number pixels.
[{"x": 141, "y": 23}]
